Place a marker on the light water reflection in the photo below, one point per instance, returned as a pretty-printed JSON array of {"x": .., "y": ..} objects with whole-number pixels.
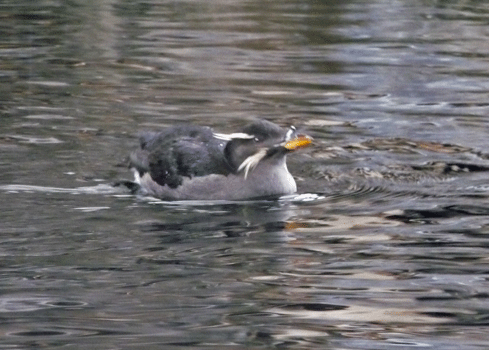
[{"x": 384, "y": 247}]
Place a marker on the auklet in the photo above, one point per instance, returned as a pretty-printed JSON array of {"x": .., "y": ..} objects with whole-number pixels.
[{"x": 194, "y": 163}]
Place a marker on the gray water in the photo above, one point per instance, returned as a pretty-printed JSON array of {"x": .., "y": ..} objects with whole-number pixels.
[{"x": 384, "y": 246}]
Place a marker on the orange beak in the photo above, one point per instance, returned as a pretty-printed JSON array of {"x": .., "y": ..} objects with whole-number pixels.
[{"x": 299, "y": 142}]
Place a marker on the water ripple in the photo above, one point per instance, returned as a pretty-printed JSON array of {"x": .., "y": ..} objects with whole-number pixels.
[{"x": 98, "y": 189}]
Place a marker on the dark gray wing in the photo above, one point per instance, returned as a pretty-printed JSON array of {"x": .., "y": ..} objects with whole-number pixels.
[{"x": 178, "y": 152}]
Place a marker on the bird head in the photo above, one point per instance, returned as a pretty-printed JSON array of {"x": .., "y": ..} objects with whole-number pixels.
[{"x": 261, "y": 141}]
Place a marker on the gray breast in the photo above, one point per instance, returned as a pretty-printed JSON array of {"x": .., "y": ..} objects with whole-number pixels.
[{"x": 267, "y": 179}]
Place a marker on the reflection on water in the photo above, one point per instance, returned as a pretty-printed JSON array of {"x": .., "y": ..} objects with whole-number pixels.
[{"x": 384, "y": 247}]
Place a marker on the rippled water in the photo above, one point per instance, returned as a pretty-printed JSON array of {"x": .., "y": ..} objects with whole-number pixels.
[{"x": 384, "y": 246}]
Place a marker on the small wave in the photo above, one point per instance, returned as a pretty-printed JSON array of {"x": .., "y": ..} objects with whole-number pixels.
[
  {"x": 302, "y": 197},
  {"x": 99, "y": 189},
  {"x": 90, "y": 209},
  {"x": 35, "y": 140},
  {"x": 343, "y": 189}
]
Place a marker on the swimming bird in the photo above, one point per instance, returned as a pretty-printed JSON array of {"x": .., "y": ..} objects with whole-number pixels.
[{"x": 191, "y": 162}]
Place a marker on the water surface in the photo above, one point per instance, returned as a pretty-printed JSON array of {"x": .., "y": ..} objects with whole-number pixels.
[{"x": 385, "y": 245}]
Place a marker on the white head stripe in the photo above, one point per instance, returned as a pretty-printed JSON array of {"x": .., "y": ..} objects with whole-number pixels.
[
  {"x": 290, "y": 132},
  {"x": 252, "y": 161},
  {"x": 229, "y": 137}
]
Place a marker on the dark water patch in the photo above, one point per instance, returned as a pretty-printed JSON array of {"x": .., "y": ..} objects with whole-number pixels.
[
  {"x": 39, "y": 333},
  {"x": 469, "y": 209},
  {"x": 68, "y": 304},
  {"x": 428, "y": 215},
  {"x": 314, "y": 307}
]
